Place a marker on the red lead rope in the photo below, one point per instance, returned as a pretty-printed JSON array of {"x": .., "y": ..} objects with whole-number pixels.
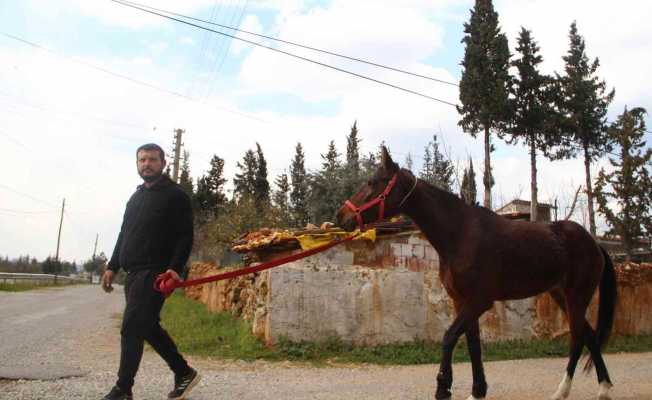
[{"x": 166, "y": 284}]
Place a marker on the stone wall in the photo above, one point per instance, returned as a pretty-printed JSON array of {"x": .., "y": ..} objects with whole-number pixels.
[{"x": 389, "y": 291}]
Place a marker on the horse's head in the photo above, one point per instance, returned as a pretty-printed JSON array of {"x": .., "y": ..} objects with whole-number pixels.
[{"x": 380, "y": 198}]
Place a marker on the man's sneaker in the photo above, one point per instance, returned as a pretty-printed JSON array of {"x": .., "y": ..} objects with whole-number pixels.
[
  {"x": 117, "y": 394},
  {"x": 184, "y": 384}
]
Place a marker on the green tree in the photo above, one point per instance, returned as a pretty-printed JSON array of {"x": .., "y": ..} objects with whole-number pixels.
[
  {"x": 352, "y": 177},
  {"x": 437, "y": 169},
  {"x": 51, "y": 266},
  {"x": 281, "y": 200},
  {"x": 202, "y": 198},
  {"x": 485, "y": 83},
  {"x": 185, "y": 181},
  {"x": 300, "y": 188},
  {"x": 245, "y": 181},
  {"x": 468, "y": 190},
  {"x": 325, "y": 191},
  {"x": 409, "y": 163},
  {"x": 261, "y": 184},
  {"x": 240, "y": 217},
  {"x": 533, "y": 108},
  {"x": 629, "y": 181},
  {"x": 209, "y": 198},
  {"x": 369, "y": 165},
  {"x": 426, "y": 172},
  {"x": 583, "y": 106}
]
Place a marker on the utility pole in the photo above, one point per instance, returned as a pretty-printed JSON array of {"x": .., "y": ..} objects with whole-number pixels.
[
  {"x": 97, "y": 235},
  {"x": 177, "y": 153},
  {"x": 56, "y": 257},
  {"x": 63, "y": 207}
]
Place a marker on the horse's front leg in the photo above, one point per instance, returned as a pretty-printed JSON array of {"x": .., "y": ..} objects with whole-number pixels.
[
  {"x": 464, "y": 319},
  {"x": 475, "y": 351}
]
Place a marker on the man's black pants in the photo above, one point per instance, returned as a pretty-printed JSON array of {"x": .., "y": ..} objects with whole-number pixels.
[{"x": 140, "y": 323}]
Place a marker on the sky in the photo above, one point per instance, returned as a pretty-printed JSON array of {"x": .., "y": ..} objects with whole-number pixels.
[{"x": 99, "y": 79}]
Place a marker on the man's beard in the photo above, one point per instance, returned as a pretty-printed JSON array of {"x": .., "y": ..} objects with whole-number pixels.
[{"x": 150, "y": 178}]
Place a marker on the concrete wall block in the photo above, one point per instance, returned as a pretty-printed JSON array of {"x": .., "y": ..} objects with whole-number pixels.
[
  {"x": 418, "y": 251},
  {"x": 415, "y": 239},
  {"x": 396, "y": 249},
  {"x": 431, "y": 253},
  {"x": 368, "y": 308}
]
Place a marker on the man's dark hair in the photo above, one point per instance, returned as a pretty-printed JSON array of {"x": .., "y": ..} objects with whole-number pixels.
[{"x": 152, "y": 147}]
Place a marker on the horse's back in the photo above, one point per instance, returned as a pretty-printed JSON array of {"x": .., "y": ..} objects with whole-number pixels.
[{"x": 585, "y": 259}]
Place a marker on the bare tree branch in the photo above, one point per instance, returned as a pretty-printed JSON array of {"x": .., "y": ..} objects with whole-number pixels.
[{"x": 572, "y": 209}]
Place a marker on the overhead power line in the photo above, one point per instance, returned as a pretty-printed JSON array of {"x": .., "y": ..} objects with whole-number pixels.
[
  {"x": 125, "y": 77},
  {"x": 290, "y": 54},
  {"x": 26, "y": 195},
  {"x": 78, "y": 114},
  {"x": 332, "y": 53}
]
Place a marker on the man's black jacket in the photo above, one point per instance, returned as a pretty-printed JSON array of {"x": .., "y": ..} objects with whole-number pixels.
[{"x": 156, "y": 230}]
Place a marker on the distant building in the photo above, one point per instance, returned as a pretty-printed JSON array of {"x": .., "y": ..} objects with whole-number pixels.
[{"x": 520, "y": 209}]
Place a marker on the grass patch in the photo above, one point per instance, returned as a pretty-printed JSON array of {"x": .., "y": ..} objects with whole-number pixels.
[
  {"x": 199, "y": 332},
  {"x": 22, "y": 286}
]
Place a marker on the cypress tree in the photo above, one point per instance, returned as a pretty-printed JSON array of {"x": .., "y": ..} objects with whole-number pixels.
[
  {"x": 244, "y": 182},
  {"x": 215, "y": 181},
  {"x": 368, "y": 165},
  {"x": 352, "y": 176},
  {"x": 281, "y": 200},
  {"x": 261, "y": 184},
  {"x": 209, "y": 198},
  {"x": 485, "y": 83},
  {"x": 325, "y": 191},
  {"x": 533, "y": 110},
  {"x": 409, "y": 163},
  {"x": 630, "y": 183},
  {"x": 468, "y": 190},
  {"x": 436, "y": 169},
  {"x": 299, "y": 193},
  {"x": 185, "y": 181},
  {"x": 583, "y": 106}
]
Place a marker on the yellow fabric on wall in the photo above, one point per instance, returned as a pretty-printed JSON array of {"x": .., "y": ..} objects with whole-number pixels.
[{"x": 310, "y": 241}]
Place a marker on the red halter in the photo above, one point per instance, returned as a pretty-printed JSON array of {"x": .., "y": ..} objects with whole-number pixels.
[{"x": 380, "y": 199}]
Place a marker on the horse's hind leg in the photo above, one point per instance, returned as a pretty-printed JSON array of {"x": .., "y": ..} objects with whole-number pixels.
[
  {"x": 575, "y": 313},
  {"x": 475, "y": 351},
  {"x": 600, "y": 367}
]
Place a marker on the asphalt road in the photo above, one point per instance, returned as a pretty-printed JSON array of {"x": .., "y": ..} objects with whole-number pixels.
[{"x": 41, "y": 329}]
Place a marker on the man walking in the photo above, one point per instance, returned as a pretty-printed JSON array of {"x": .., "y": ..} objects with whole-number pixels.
[{"x": 155, "y": 237}]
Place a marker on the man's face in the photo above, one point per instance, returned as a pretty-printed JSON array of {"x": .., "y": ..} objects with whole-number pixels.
[{"x": 150, "y": 165}]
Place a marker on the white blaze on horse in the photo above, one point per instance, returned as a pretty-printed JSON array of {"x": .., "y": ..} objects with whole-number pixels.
[{"x": 485, "y": 257}]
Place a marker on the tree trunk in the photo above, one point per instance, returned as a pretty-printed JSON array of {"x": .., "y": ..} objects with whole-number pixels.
[
  {"x": 589, "y": 189},
  {"x": 487, "y": 179},
  {"x": 627, "y": 244},
  {"x": 534, "y": 203}
]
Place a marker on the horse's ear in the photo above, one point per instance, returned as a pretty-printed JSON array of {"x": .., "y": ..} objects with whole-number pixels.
[{"x": 386, "y": 160}]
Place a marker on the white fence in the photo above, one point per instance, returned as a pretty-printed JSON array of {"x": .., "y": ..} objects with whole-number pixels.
[{"x": 39, "y": 279}]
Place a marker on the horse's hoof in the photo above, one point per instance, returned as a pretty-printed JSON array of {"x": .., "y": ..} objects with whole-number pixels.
[
  {"x": 472, "y": 397},
  {"x": 564, "y": 388},
  {"x": 605, "y": 388}
]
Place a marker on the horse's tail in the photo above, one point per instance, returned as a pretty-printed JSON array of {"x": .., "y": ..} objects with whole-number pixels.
[{"x": 606, "y": 309}]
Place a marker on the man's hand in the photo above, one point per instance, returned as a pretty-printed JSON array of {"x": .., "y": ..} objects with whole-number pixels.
[
  {"x": 174, "y": 275},
  {"x": 107, "y": 280}
]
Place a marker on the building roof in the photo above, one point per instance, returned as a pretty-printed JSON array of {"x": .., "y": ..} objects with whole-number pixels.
[{"x": 522, "y": 203}]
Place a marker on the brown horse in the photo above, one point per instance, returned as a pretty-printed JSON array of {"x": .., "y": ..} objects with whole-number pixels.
[{"x": 485, "y": 257}]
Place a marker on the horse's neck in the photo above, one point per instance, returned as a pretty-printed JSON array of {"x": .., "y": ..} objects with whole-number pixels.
[{"x": 439, "y": 215}]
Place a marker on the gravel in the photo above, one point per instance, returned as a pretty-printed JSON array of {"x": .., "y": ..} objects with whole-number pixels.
[{"x": 96, "y": 353}]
